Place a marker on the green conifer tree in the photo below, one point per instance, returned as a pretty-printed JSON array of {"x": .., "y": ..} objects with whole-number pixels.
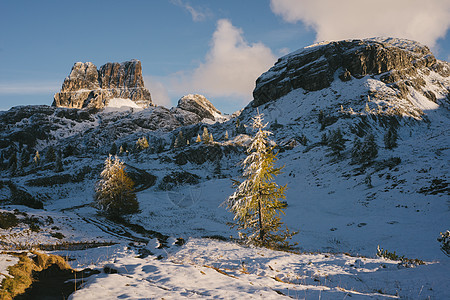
[
  {"x": 256, "y": 202},
  {"x": 50, "y": 154},
  {"x": 205, "y": 135},
  {"x": 390, "y": 138},
  {"x": 113, "y": 150},
  {"x": 58, "y": 162},
  {"x": 114, "y": 193}
]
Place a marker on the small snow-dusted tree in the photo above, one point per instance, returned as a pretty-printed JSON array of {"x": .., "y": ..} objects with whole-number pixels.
[
  {"x": 37, "y": 158},
  {"x": 113, "y": 150},
  {"x": 365, "y": 151},
  {"x": 205, "y": 135},
  {"x": 142, "y": 143},
  {"x": 114, "y": 193},
  {"x": 58, "y": 162},
  {"x": 256, "y": 202},
  {"x": 211, "y": 139},
  {"x": 180, "y": 140},
  {"x": 50, "y": 156},
  {"x": 199, "y": 139},
  {"x": 226, "y": 135},
  {"x": 390, "y": 138},
  {"x": 336, "y": 142}
]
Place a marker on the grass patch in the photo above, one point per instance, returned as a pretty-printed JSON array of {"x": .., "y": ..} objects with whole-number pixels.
[{"x": 21, "y": 274}]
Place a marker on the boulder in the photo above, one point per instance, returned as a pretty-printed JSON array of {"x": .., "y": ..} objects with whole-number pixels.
[{"x": 198, "y": 105}]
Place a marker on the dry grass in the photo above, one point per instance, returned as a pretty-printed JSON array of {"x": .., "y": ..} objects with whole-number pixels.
[{"x": 21, "y": 274}]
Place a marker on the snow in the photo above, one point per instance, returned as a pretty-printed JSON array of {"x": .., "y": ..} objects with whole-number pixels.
[
  {"x": 340, "y": 219},
  {"x": 6, "y": 260},
  {"x": 204, "y": 268},
  {"x": 120, "y": 104}
]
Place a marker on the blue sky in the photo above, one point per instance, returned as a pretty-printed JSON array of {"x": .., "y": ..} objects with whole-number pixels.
[{"x": 215, "y": 48}]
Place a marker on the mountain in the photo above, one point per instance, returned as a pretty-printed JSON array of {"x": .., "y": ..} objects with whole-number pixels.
[
  {"x": 361, "y": 127},
  {"x": 87, "y": 87}
]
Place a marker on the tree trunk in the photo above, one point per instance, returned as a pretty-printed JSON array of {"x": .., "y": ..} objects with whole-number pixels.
[{"x": 261, "y": 230}]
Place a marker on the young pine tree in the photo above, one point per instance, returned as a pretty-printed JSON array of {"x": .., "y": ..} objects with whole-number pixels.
[
  {"x": 390, "y": 138},
  {"x": 205, "y": 135},
  {"x": 114, "y": 193},
  {"x": 256, "y": 202},
  {"x": 50, "y": 156}
]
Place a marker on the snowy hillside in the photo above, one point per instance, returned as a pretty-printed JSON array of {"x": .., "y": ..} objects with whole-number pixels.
[{"x": 343, "y": 202}]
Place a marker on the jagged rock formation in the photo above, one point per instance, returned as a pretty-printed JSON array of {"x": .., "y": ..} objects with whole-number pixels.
[
  {"x": 399, "y": 63},
  {"x": 87, "y": 87},
  {"x": 199, "y": 105}
]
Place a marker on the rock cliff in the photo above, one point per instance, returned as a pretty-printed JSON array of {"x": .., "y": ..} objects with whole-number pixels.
[
  {"x": 87, "y": 87},
  {"x": 399, "y": 63},
  {"x": 199, "y": 105}
]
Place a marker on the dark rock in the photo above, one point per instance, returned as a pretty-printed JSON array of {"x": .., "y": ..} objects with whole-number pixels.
[
  {"x": 313, "y": 68},
  {"x": 178, "y": 178},
  {"x": 87, "y": 87}
]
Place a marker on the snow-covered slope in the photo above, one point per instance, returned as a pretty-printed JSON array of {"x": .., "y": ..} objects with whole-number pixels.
[{"x": 180, "y": 244}]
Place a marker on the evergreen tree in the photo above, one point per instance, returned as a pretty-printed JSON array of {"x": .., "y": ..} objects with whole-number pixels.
[
  {"x": 199, "y": 139},
  {"x": 205, "y": 135},
  {"x": 12, "y": 163},
  {"x": 2, "y": 161},
  {"x": 226, "y": 135},
  {"x": 180, "y": 141},
  {"x": 113, "y": 150},
  {"x": 211, "y": 139},
  {"x": 24, "y": 158},
  {"x": 366, "y": 151},
  {"x": 390, "y": 138},
  {"x": 50, "y": 155},
  {"x": 336, "y": 142},
  {"x": 37, "y": 158},
  {"x": 58, "y": 162},
  {"x": 240, "y": 127},
  {"x": 255, "y": 203},
  {"x": 114, "y": 193},
  {"x": 142, "y": 143}
]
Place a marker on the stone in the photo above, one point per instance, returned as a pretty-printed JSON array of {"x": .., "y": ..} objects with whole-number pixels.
[
  {"x": 87, "y": 87},
  {"x": 198, "y": 105},
  {"x": 314, "y": 68}
]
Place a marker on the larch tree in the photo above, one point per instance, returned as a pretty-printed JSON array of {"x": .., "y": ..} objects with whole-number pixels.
[
  {"x": 256, "y": 202},
  {"x": 114, "y": 193}
]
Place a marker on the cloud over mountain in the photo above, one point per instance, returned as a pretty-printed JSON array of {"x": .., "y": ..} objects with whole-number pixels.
[{"x": 423, "y": 21}]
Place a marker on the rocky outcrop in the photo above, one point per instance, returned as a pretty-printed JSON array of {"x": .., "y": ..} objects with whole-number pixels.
[
  {"x": 398, "y": 62},
  {"x": 198, "y": 105},
  {"x": 87, "y": 87}
]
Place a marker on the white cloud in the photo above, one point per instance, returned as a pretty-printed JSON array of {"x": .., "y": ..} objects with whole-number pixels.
[
  {"x": 423, "y": 21},
  {"x": 158, "y": 91},
  {"x": 231, "y": 66},
  {"x": 196, "y": 14},
  {"x": 28, "y": 88}
]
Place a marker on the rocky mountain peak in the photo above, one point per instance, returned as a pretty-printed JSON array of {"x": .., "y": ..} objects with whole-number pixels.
[
  {"x": 87, "y": 86},
  {"x": 199, "y": 105},
  {"x": 397, "y": 63}
]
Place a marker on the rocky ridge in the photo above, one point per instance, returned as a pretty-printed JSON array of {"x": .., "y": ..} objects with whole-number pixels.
[
  {"x": 87, "y": 87},
  {"x": 199, "y": 105},
  {"x": 399, "y": 65}
]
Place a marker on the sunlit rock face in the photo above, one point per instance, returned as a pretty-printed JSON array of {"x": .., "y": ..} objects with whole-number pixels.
[
  {"x": 398, "y": 63},
  {"x": 199, "y": 105},
  {"x": 87, "y": 87}
]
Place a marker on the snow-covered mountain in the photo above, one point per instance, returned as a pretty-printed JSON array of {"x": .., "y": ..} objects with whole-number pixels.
[{"x": 362, "y": 130}]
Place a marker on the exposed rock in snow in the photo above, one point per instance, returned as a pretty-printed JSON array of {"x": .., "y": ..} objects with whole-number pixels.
[
  {"x": 199, "y": 105},
  {"x": 88, "y": 87},
  {"x": 399, "y": 65}
]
